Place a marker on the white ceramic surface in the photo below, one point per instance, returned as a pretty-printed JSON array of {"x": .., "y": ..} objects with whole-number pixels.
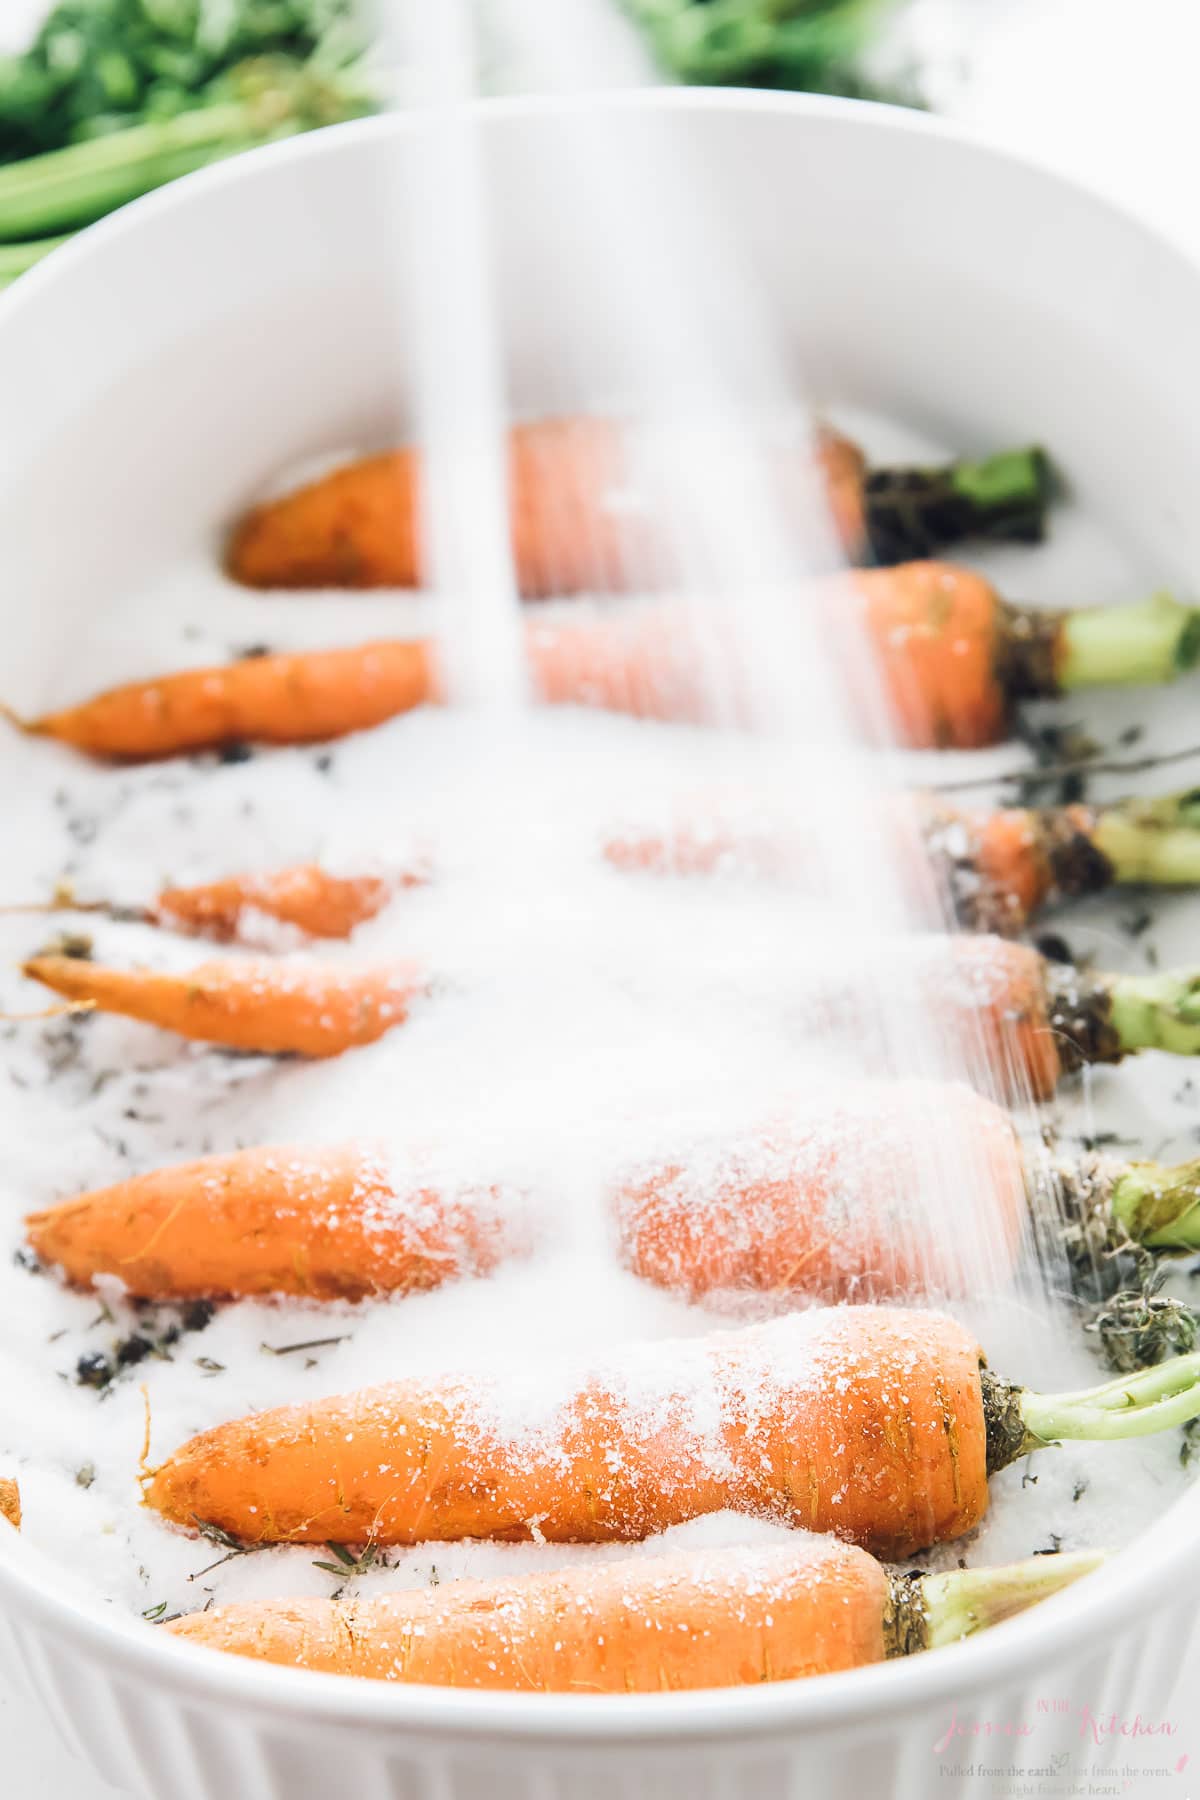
[{"x": 163, "y": 364}]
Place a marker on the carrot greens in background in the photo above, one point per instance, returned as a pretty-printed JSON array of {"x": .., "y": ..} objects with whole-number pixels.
[
  {"x": 815, "y": 45},
  {"x": 116, "y": 97}
]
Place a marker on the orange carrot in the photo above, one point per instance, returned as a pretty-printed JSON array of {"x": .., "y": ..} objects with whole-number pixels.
[
  {"x": 875, "y": 1424},
  {"x": 820, "y": 1200},
  {"x": 691, "y": 1619},
  {"x": 1013, "y": 1017},
  {"x": 952, "y": 655},
  {"x": 643, "y": 661},
  {"x": 304, "y": 896},
  {"x": 828, "y": 1199},
  {"x": 865, "y": 1422},
  {"x": 955, "y": 657},
  {"x": 763, "y": 849},
  {"x": 997, "y": 869},
  {"x": 302, "y": 698},
  {"x": 10, "y": 1503},
  {"x": 277, "y": 1008},
  {"x": 323, "y": 1224},
  {"x": 825, "y": 1202},
  {"x": 567, "y": 537},
  {"x": 938, "y": 637},
  {"x": 1001, "y": 867},
  {"x": 307, "y": 897},
  {"x": 358, "y": 526},
  {"x": 652, "y": 661},
  {"x": 842, "y": 469},
  {"x": 1010, "y": 1018}
]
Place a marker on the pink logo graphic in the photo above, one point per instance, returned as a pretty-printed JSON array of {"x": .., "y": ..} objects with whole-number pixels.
[{"x": 1096, "y": 1729}]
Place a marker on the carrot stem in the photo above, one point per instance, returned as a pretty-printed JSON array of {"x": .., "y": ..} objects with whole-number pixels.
[
  {"x": 1152, "y": 841},
  {"x": 1098, "y": 1017},
  {"x": 945, "y": 1608},
  {"x": 1011, "y": 484},
  {"x": 1158, "y": 1205},
  {"x": 1155, "y": 1012},
  {"x": 912, "y": 512},
  {"x": 1142, "y": 644},
  {"x": 1131, "y": 1406},
  {"x": 1109, "y": 1204}
]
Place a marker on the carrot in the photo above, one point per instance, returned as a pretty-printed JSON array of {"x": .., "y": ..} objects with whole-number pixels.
[
  {"x": 1015, "y": 1016},
  {"x": 953, "y": 657},
  {"x": 814, "y": 1201},
  {"x": 306, "y": 897},
  {"x": 716, "y": 841},
  {"x": 824, "y": 1200},
  {"x": 1018, "y": 1020},
  {"x": 355, "y": 527},
  {"x": 323, "y": 1224},
  {"x": 1024, "y": 1022},
  {"x": 1014, "y": 1021},
  {"x": 10, "y": 1502},
  {"x": 301, "y": 698},
  {"x": 1001, "y": 868},
  {"x": 757, "y": 1420},
  {"x": 691, "y": 1619},
  {"x": 653, "y": 661},
  {"x": 841, "y": 467},
  {"x": 276, "y": 1008},
  {"x": 643, "y": 661},
  {"x": 937, "y": 635},
  {"x": 997, "y": 869},
  {"x": 358, "y": 526},
  {"x": 875, "y": 1424}
]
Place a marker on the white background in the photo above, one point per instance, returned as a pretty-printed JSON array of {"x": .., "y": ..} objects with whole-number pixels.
[{"x": 1106, "y": 89}]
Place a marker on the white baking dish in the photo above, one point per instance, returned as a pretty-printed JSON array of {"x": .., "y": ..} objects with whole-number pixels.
[{"x": 159, "y": 368}]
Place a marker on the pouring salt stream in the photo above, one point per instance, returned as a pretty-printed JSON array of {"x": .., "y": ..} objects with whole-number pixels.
[{"x": 580, "y": 1021}]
